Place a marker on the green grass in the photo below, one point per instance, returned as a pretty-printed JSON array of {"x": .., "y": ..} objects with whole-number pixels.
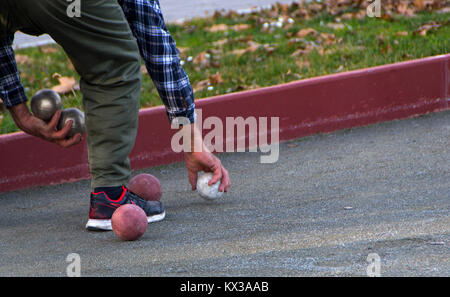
[{"x": 364, "y": 43}]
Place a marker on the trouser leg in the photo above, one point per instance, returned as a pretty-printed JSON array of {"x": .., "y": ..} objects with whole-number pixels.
[{"x": 104, "y": 52}]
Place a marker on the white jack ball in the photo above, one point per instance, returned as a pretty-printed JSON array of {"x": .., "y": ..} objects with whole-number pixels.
[{"x": 206, "y": 191}]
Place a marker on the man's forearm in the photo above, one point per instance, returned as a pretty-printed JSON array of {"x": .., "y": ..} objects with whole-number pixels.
[
  {"x": 192, "y": 134},
  {"x": 22, "y": 116}
]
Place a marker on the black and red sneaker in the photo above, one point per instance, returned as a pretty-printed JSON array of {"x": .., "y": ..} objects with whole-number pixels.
[{"x": 102, "y": 209}]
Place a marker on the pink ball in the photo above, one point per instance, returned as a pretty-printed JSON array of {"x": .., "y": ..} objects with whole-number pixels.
[{"x": 129, "y": 222}]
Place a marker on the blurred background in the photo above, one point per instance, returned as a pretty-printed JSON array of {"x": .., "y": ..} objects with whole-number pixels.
[{"x": 231, "y": 46}]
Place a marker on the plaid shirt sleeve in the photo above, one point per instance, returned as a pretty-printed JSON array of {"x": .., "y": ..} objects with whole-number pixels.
[
  {"x": 11, "y": 90},
  {"x": 161, "y": 57}
]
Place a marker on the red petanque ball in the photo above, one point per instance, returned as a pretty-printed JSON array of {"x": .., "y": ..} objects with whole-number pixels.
[
  {"x": 146, "y": 186},
  {"x": 129, "y": 222}
]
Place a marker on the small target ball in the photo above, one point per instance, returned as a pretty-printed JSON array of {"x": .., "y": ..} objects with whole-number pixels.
[
  {"x": 45, "y": 103},
  {"x": 146, "y": 186},
  {"x": 206, "y": 191},
  {"x": 129, "y": 222}
]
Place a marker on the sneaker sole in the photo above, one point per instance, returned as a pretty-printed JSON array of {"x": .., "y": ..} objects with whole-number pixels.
[{"x": 105, "y": 225}]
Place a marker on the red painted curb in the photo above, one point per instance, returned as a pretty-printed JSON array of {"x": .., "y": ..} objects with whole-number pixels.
[{"x": 321, "y": 104}]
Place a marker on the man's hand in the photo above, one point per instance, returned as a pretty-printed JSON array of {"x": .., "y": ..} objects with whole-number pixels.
[
  {"x": 36, "y": 127},
  {"x": 203, "y": 160},
  {"x": 207, "y": 162}
]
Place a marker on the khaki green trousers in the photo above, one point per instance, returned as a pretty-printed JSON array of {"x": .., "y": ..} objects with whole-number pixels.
[{"x": 104, "y": 52}]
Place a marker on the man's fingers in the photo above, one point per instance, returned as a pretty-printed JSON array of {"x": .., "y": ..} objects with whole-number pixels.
[
  {"x": 55, "y": 119},
  {"x": 207, "y": 162},
  {"x": 217, "y": 175},
  {"x": 64, "y": 131},
  {"x": 193, "y": 176},
  {"x": 225, "y": 182},
  {"x": 71, "y": 141}
]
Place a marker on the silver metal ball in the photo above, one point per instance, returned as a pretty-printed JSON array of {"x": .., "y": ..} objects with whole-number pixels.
[
  {"x": 45, "y": 103},
  {"x": 78, "y": 121}
]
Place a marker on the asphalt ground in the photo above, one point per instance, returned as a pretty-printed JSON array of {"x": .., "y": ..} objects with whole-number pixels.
[{"x": 329, "y": 202}]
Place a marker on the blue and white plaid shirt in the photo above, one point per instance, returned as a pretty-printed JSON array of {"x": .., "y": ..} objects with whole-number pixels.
[
  {"x": 157, "y": 48},
  {"x": 11, "y": 90}
]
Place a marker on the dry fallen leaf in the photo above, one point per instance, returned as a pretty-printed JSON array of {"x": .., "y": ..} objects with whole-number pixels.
[
  {"x": 22, "y": 59},
  {"x": 423, "y": 30},
  {"x": 182, "y": 50},
  {"x": 347, "y": 16},
  {"x": 340, "y": 68},
  {"x": 336, "y": 26},
  {"x": 218, "y": 28},
  {"x": 407, "y": 56},
  {"x": 245, "y": 38},
  {"x": 29, "y": 77},
  {"x": 71, "y": 67},
  {"x": 269, "y": 49},
  {"x": 359, "y": 15},
  {"x": 303, "y": 64},
  {"x": 225, "y": 27},
  {"x": 202, "y": 59},
  {"x": 241, "y": 27},
  {"x": 302, "y": 13},
  {"x": 420, "y": 4},
  {"x": 305, "y": 32},
  {"x": 294, "y": 41},
  {"x": 253, "y": 47},
  {"x": 402, "y": 33},
  {"x": 404, "y": 8},
  {"x": 48, "y": 50},
  {"x": 66, "y": 84},
  {"x": 328, "y": 39},
  {"x": 199, "y": 86},
  {"x": 283, "y": 7},
  {"x": 304, "y": 51},
  {"x": 344, "y": 2},
  {"x": 216, "y": 79},
  {"x": 144, "y": 70},
  {"x": 220, "y": 43},
  {"x": 315, "y": 7},
  {"x": 239, "y": 52}
]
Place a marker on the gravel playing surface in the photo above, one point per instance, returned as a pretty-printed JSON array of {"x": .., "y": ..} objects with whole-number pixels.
[{"x": 329, "y": 202}]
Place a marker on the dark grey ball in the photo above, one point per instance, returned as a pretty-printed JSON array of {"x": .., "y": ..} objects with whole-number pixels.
[
  {"x": 78, "y": 121},
  {"x": 45, "y": 103}
]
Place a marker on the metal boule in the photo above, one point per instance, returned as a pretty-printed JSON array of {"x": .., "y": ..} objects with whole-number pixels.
[{"x": 45, "y": 103}]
